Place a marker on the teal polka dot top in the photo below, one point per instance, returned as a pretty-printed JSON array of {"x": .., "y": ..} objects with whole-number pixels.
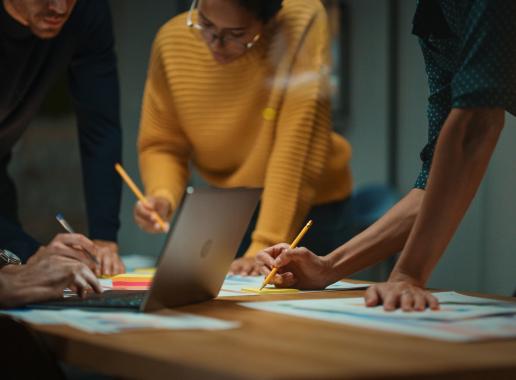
[{"x": 469, "y": 48}]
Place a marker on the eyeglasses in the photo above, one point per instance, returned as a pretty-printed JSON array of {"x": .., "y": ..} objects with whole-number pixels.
[{"x": 209, "y": 34}]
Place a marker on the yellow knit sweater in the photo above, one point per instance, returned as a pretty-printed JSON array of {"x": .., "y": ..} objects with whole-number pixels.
[{"x": 262, "y": 120}]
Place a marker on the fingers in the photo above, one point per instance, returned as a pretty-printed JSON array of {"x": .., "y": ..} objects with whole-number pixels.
[
  {"x": 75, "y": 240},
  {"x": 284, "y": 280},
  {"x": 372, "y": 297},
  {"x": 107, "y": 265},
  {"x": 72, "y": 247},
  {"x": 83, "y": 279},
  {"x": 407, "y": 301},
  {"x": 400, "y": 295},
  {"x": 264, "y": 262},
  {"x": 276, "y": 250},
  {"x": 234, "y": 268},
  {"x": 432, "y": 302},
  {"x": 47, "y": 278},
  {"x": 143, "y": 217},
  {"x": 146, "y": 215},
  {"x": 244, "y": 266},
  {"x": 292, "y": 255},
  {"x": 390, "y": 300},
  {"x": 118, "y": 265}
]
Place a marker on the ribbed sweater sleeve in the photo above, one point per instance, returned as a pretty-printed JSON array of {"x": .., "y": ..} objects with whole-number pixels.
[
  {"x": 163, "y": 147},
  {"x": 302, "y": 142}
]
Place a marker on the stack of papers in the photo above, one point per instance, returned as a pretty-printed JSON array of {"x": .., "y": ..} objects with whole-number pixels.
[
  {"x": 132, "y": 281},
  {"x": 460, "y": 318},
  {"x": 114, "y": 322}
]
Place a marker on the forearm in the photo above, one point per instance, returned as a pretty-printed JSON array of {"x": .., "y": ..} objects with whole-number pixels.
[
  {"x": 381, "y": 240},
  {"x": 164, "y": 174},
  {"x": 464, "y": 148}
]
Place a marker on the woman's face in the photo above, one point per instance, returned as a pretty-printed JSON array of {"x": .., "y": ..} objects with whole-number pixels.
[{"x": 227, "y": 28}]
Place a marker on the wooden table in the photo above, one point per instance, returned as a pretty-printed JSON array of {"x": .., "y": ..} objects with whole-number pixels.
[{"x": 275, "y": 346}]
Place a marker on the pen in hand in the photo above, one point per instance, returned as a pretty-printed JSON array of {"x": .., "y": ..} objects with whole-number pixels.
[{"x": 62, "y": 221}]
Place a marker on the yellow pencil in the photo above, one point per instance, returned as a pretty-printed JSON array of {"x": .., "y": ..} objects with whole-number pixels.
[
  {"x": 292, "y": 246},
  {"x": 138, "y": 193}
]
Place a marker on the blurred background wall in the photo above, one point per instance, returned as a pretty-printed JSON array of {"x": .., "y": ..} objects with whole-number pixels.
[{"x": 382, "y": 114}]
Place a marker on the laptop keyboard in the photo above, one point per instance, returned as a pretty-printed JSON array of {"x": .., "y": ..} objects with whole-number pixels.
[{"x": 109, "y": 299}]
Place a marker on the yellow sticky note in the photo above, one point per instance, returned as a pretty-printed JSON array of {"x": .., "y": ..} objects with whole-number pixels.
[
  {"x": 269, "y": 114},
  {"x": 269, "y": 290},
  {"x": 145, "y": 270}
]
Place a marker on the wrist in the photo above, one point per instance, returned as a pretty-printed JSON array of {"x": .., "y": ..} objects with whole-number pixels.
[
  {"x": 10, "y": 269},
  {"x": 399, "y": 276},
  {"x": 337, "y": 261},
  {"x": 331, "y": 268}
]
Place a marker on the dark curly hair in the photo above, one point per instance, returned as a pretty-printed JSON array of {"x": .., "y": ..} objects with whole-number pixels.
[{"x": 264, "y": 10}]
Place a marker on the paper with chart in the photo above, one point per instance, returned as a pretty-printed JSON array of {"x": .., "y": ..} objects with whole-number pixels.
[
  {"x": 462, "y": 318},
  {"x": 114, "y": 322}
]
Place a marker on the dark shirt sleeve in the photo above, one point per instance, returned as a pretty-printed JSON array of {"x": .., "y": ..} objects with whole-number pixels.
[
  {"x": 95, "y": 91},
  {"x": 439, "y": 104},
  {"x": 487, "y": 76},
  {"x": 475, "y": 68},
  {"x": 13, "y": 238}
]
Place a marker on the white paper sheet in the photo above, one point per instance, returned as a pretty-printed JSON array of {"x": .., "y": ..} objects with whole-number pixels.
[
  {"x": 114, "y": 322},
  {"x": 453, "y": 306},
  {"x": 449, "y": 327}
]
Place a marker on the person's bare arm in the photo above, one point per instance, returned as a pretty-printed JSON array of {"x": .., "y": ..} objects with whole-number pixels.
[
  {"x": 382, "y": 239},
  {"x": 302, "y": 268},
  {"x": 463, "y": 151}
]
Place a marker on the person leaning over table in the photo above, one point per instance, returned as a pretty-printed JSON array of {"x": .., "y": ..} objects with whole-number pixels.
[
  {"x": 469, "y": 47},
  {"x": 39, "y": 40},
  {"x": 239, "y": 88}
]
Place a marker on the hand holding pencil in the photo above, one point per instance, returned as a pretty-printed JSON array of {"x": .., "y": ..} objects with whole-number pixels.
[
  {"x": 293, "y": 245},
  {"x": 149, "y": 212},
  {"x": 297, "y": 268},
  {"x": 146, "y": 212}
]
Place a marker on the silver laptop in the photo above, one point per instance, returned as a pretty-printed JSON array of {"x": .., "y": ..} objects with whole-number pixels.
[{"x": 205, "y": 235}]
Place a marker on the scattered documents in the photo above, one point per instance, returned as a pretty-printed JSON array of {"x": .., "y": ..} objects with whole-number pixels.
[
  {"x": 234, "y": 285},
  {"x": 114, "y": 322},
  {"x": 246, "y": 285},
  {"x": 461, "y": 318}
]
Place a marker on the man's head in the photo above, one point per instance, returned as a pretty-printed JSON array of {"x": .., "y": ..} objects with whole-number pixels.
[{"x": 45, "y": 18}]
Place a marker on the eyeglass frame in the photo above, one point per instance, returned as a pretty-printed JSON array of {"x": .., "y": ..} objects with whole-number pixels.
[{"x": 190, "y": 24}]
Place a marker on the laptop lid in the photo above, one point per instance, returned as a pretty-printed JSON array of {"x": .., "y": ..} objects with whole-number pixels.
[{"x": 207, "y": 231}]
